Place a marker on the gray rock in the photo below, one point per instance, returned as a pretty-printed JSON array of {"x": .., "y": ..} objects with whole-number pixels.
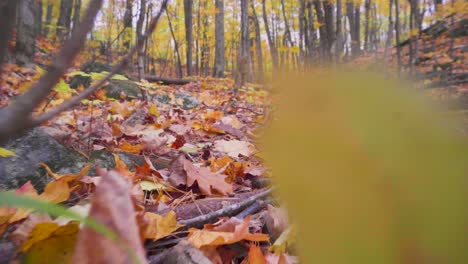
[
  {"x": 116, "y": 87},
  {"x": 189, "y": 102},
  {"x": 31, "y": 149},
  {"x": 105, "y": 159}
]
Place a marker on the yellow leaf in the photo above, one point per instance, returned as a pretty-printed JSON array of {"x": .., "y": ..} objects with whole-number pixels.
[
  {"x": 56, "y": 191},
  {"x": 154, "y": 110},
  {"x": 51, "y": 243},
  {"x": 6, "y": 153},
  {"x": 160, "y": 226}
]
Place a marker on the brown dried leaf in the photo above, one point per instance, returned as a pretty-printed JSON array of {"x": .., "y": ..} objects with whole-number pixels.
[{"x": 112, "y": 205}]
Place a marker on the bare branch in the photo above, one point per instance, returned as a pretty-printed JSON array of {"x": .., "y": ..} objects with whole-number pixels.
[
  {"x": 17, "y": 116},
  {"x": 121, "y": 65}
]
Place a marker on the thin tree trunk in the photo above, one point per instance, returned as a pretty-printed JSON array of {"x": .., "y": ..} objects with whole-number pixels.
[
  {"x": 76, "y": 14},
  {"x": 48, "y": 20},
  {"x": 339, "y": 32},
  {"x": 139, "y": 37},
  {"x": 188, "y": 14},
  {"x": 271, "y": 42},
  {"x": 243, "y": 65},
  {"x": 128, "y": 24},
  {"x": 389, "y": 34},
  {"x": 7, "y": 20},
  {"x": 397, "y": 34},
  {"x": 258, "y": 45},
  {"x": 312, "y": 36},
  {"x": 219, "y": 40},
  {"x": 64, "y": 20},
  {"x": 176, "y": 46},
  {"x": 367, "y": 6},
  {"x": 286, "y": 25},
  {"x": 330, "y": 28},
  {"x": 322, "y": 30}
]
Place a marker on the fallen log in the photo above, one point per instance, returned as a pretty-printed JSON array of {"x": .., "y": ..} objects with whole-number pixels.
[{"x": 167, "y": 81}]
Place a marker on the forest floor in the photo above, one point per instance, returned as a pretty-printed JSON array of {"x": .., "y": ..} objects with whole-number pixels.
[{"x": 195, "y": 174}]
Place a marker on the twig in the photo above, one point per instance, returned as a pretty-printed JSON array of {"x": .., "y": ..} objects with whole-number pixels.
[
  {"x": 226, "y": 211},
  {"x": 77, "y": 99}
]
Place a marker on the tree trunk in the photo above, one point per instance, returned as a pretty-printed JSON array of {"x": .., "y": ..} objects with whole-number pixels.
[
  {"x": 204, "y": 46},
  {"x": 7, "y": 20},
  {"x": 258, "y": 44},
  {"x": 367, "y": 6},
  {"x": 128, "y": 24},
  {"x": 48, "y": 20},
  {"x": 76, "y": 14},
  {"x": 322, "y": 30},
  {"x": 176, "y": 46},
  {"x": 27, "y": 30},
  {"x": 38, "y": 19},
  {"x": 339, "y": 32},
  {"x": 330, "y": 29},
  {"x": 271, "y": 42},
  {"x": 397, "y": 34},
  {"x": 139, "y": 38},
  {"x": 243, "y": 65},
  {"x": 219, "y": 40},
  {"x": 312, "y": 36},
  {"x": 188, "y": 14},
  {"x": 64, "y": 20},
  {"x": 357, "y": 24},
  {"x": 286, "y": 25},
  {"x": 388, "y": 42}
]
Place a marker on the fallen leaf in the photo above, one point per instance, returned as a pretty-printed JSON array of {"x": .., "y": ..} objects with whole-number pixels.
[
  {"x": 160, "y": 226},
  {"x": 235, "y": 147},
  {"x": 51, "y": 243},
  {"x": 29, "y": 190},
  {"x": 127, "y": 147},
  {"x": 200, "y": 238},
  {"x": 232, "y": 121},
  {"x": 56, "y": 191},
  {"x": 280, "y": 259},
  {"x": 255, "y": 255},
  {"x": 6, "y": 153},
  {"x": 21, "y": 234},
  {"x": 111, "y": 205},
  {"x": 122, "y": 168},
  {"x": 207, "y": 180}
]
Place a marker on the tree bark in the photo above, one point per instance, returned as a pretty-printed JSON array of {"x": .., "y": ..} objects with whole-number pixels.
[
  {"x": 176, "y": 46},
  {"x": 367, "y": 5},
  {"x": 271, "y": 42},
  {"x": 139, "y": 37},
  {"x": 388, "y": 42},
  {"x": 76, "y": 14},
  {"x": 397, "y": 34},
  {"x": 64, "y": 20},
  {"x": 27, "y": 30},
  {"x": 339, "y": 32},
  {"x": 322, "y": 30},
  {"x": 258, "y": 45},
  {"x": 188, "y": 14},
  {"x": 243, "y": 64},
  {"x": 219, "y": 40},
  {"x": 330, "y": 29},
  {"x": 7, "y": 20},
  {"x": 128, "y": 24},
  {"x": 48, "y": 20}
]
